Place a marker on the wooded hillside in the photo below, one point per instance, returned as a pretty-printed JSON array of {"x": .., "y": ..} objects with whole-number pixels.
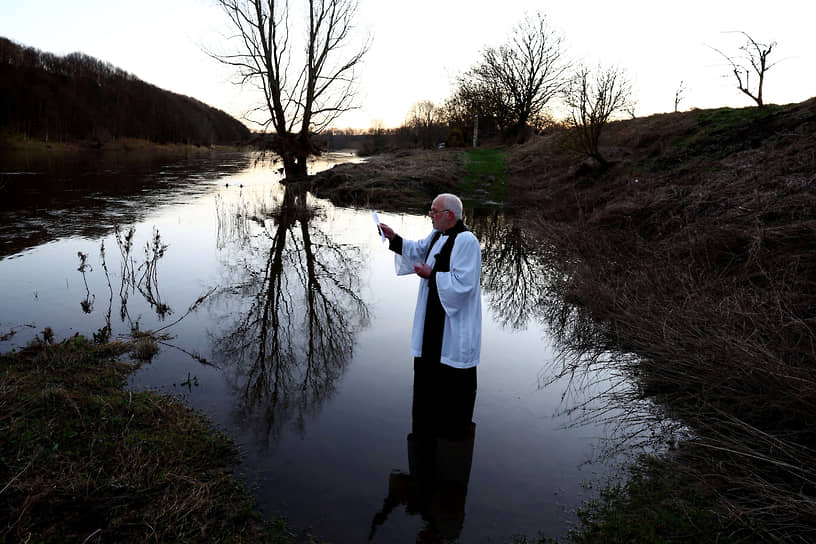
[{"x": 78, "y": 97}]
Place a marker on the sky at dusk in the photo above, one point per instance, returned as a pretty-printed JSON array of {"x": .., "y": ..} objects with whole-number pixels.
[{"x": 419, "y": 47}]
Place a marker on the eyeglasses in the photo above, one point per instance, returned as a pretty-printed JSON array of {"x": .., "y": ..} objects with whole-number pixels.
[{"x": 433, "y": 212}]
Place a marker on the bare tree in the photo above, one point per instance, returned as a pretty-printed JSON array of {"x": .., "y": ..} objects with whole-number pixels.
[
  {"x": 678, "y": 95},
  {"x": 752, "y": 59},
  {"x": 526, "y": 72},
  {"x": 457, "y": 113},
  {"x": 423, "y": 113},
  {"x": 377, "y": 127},
  {"x": 630, "y": 108},
  {"x": 425, "y": 119},
  {"x": 592, "y": 97},
  {"x": 476, "y": 98},
  {"x": 304, "y": 89}
]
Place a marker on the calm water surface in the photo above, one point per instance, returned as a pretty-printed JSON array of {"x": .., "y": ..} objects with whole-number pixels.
[{"x": 287, "y": 325}]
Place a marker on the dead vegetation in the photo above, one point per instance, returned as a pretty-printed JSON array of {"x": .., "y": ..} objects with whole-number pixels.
[
  {"x": 401, "y": 181},
  {"x": 696, "y": 250},
  {"x": 82, "y": 460}
]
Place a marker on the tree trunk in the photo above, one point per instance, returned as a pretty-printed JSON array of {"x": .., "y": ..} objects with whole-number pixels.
[{"x": 294, "y": 151}]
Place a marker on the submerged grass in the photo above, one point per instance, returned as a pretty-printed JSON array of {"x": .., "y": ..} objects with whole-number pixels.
[{"x": 82, "y": 460}]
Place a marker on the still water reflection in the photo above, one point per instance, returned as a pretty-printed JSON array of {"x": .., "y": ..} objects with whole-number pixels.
[
  {"x": 287, "y": 339},
  {"x": 286, "y": 324},
  {"x": 440, "y": 455}
]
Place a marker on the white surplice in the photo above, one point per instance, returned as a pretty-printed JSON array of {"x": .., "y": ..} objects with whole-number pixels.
[{"x": 459, "y": 293}]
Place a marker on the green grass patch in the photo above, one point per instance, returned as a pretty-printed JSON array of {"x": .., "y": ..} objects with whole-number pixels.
[
  {"x": 723, "y": 119},
  {"x": 722, "y": 131},
  {"x": 83, "y": 460},
  {"x": 486, "y": 175}
]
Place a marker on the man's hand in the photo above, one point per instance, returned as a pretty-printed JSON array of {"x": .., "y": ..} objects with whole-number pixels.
[
  {"x": 387, "y": 231},
  {"x": 423, "y": 270}
]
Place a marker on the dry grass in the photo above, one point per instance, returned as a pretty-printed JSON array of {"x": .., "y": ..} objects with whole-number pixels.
[
  {"x": 706, "y": 268},
  {"x": 81, "y": 460},
  {"x": 401, "y": 181}
]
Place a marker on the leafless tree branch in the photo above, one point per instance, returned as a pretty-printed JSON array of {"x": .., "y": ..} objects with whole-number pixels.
[{"x": 752, "y": 60}]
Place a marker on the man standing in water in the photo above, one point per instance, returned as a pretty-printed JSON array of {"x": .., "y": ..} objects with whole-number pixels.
[{"x": 447, "y": 331}]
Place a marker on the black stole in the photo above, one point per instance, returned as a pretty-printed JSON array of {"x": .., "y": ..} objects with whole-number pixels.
[{"x": 434, "y": 312}]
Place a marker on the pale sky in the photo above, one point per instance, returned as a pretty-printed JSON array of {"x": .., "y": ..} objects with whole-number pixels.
[{"x": 419, "y": 46}]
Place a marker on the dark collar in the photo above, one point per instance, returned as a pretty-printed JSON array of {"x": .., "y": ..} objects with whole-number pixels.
[{"x": 456, "y": 229}]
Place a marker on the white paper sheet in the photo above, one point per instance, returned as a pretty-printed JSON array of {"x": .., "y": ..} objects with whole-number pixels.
[{"x": 377, "y": 220}]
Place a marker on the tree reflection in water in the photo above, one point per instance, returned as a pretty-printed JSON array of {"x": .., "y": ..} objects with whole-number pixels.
[
  {"x": 601, "y": 381},
  {"x": 296, "y": 332},
  {"x": 524, "y": 282},
  {"x": 515, "y": 268}
]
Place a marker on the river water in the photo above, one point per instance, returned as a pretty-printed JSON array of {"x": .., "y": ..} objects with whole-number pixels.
[{"x": 286, "y": 325}]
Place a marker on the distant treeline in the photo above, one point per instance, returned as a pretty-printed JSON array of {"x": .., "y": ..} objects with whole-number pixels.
[{"x": 78, "y": 97}]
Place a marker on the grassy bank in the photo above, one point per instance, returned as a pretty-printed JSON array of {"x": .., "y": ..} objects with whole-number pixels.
[
  {"x": 408, "y": 180},
  {"x": 696, "y": 250},
  {"x": 656, "y": 504},
  {"x": 401, "y": 181},
  {"x": 82, "y": 460}
]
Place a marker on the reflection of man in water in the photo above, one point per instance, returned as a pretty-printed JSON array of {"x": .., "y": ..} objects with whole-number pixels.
[
  {"x": 445, "y": 343},
  {"x": 439, "y": 460}
]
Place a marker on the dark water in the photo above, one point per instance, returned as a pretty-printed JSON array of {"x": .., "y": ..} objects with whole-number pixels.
[{"x": 287, "y": 326}]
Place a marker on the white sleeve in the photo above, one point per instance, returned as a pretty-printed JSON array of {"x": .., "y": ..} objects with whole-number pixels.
[
  {"x": 413, "y": 252},
  {"x": 456, "y": 288}
]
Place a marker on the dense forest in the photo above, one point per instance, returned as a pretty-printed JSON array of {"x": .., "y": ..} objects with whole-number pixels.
[{"x": 78, "y": 97}]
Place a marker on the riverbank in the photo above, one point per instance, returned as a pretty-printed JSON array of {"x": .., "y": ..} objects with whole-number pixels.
[
  {"x": 397, "y": 181},
  {"x": 83, "y": 460},
  {"x": 19, "y": 144},
  {"x": 694, "y": 248}
]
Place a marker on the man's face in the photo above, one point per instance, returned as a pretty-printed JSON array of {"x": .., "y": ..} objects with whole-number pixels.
[{"x": 441, "y": 217}]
